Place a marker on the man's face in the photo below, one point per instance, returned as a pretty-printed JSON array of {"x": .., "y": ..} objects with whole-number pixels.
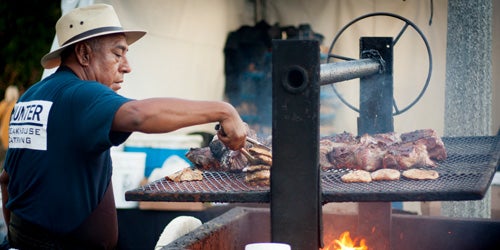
[{"x": 109, "y": 63}]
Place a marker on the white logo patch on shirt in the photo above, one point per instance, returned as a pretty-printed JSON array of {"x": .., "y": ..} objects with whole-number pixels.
[{"x": 28, "y": 125}]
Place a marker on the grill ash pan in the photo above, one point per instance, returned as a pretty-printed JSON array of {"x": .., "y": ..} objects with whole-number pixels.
[{"x": 465, "y": 175}]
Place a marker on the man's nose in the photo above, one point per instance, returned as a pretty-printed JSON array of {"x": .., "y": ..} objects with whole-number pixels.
[{"x": 125, "y": 66}]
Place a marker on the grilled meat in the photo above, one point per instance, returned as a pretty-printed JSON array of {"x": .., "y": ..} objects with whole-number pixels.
[
  {"x": 420, "y": 148},
  {"x": 259, "y": 174},
  {"x": 428, "y": 137},
  {"x": 229, "y": 160},
  {"x": 217, "y": 157},
  {"x": 325, "y": 147},
  {"x": 369, "y": 157},
  {"x": 203, "y": 158},
  {"x": 259, "y": 178},
  {"x": 265, "y": 157},
  {"x": 186, "y": 174},
  {"x": 406, "y": 156},
  {"x": 421, "y": 174},
  {"x": 254, "y": 168},
  {"x": 386, "y": 174},
  {"x": 389, "y": 150},
  {"x": 357, "y": 176}
]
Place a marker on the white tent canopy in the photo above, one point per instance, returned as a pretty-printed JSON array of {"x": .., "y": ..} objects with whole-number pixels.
[{"x": 182, "y": 54}]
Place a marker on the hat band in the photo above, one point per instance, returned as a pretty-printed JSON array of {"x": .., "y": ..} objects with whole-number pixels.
[{"x": 92, "y": 32}]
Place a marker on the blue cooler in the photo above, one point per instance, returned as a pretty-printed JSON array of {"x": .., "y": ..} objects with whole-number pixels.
[{"x": 159, "y": 147}]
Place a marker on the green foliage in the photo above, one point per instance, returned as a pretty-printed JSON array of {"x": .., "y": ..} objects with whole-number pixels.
[{"x": 26, "y": 34}]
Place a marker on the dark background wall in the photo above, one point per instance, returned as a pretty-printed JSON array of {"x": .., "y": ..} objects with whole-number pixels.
[{"x": 26, "y": 34}]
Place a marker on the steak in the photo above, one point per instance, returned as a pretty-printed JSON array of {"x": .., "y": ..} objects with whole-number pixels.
[
  {"x": 203, "y": 158},
  {"x": 420, "y": 148},
  {"x": 217, "y": 157},
  {"x": 406, "y": 156},
  {"x": 428, "y": 137}
]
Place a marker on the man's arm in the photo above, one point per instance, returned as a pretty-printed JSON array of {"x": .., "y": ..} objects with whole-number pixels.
[
  {"x": 162, "y": 115},
  {"x": 4, "y": 181}
]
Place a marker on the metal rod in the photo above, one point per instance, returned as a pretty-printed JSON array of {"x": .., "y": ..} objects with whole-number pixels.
[
  {"x": 400, "y": 34},
  {"x": 343, "y": 71},
  {"x": 341, "y": 57}
]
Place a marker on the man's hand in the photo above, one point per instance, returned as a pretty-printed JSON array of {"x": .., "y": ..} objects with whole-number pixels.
[{"x": 232, "y": 134}]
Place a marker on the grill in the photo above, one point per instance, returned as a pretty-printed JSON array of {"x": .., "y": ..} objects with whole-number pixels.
[
  {"x": 299, "y": 188},
  {"x": 464, "y": 175}
]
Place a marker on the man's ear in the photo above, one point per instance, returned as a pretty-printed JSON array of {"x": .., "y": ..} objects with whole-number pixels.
[{"x": 82, "y": 52}]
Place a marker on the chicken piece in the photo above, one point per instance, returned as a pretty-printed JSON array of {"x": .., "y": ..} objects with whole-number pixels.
[
  {"x": 187, "y": 174},
  {"x": 263, "y": 156},
  {"x": 386, "y": 174},
  {"x": 421, "y": 174},
  {"x": 254, "y": 168},
  {"x": 259, "y": 174},
  {"x": 357, "y": 176},
  {"x": 259, "y": 178}
]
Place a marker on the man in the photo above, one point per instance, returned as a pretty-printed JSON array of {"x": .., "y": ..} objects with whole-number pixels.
[{"x": 56, "y": 185}]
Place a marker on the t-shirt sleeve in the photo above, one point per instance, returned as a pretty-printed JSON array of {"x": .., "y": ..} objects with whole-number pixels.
[{"x": 96, "y": 106}]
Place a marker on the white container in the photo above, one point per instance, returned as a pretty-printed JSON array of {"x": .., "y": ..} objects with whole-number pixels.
[
  {"x": 267, "y": 246},
  {"x": 128, "y": 172},
  {"x": 166, "y": 140}
]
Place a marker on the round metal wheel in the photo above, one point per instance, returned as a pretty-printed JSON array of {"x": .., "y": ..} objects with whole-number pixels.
[{"x": 408, "y": 23}]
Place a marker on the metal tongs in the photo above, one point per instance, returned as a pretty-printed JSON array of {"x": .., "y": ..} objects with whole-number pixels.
[
  {"x": 256, "y": 143},
  {"x": 252, "y": 160}
]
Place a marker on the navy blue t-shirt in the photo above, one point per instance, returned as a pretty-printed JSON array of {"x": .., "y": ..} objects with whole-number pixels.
[{"x": 58, "y": 159}]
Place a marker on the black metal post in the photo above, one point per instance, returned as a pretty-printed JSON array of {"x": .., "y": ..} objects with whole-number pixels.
[
  {"x": 375, "y": 116},
  {"x": 295, "y": 183},
  {"x": 376, "y": 91}
]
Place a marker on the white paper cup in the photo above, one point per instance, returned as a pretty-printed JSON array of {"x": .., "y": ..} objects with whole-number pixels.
[{"x": 267, "y": 246}]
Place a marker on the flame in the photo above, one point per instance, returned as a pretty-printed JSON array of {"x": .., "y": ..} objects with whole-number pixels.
[{"x": 346, "y": 243}]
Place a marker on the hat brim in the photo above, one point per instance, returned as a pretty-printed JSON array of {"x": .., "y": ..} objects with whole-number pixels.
[{"x": 53, "y": 58}]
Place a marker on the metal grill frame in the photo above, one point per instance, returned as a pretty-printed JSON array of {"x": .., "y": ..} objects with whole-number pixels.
[
  {"x": 285, "y": 230},
  {"x": 465, "y": 175}
]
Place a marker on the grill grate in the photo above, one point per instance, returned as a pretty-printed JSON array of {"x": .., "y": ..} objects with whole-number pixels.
[
  {"x": 215, "y": 186},
  {"x": 465, "y": 175}
]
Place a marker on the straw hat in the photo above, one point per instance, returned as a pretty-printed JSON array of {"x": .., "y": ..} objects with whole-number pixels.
[{"x": 84, "y": 23}]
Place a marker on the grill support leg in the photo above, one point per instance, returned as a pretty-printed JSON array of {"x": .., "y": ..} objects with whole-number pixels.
[
  {"x": 374, "y": 224},
  {"x": 295, "y": 184}
]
